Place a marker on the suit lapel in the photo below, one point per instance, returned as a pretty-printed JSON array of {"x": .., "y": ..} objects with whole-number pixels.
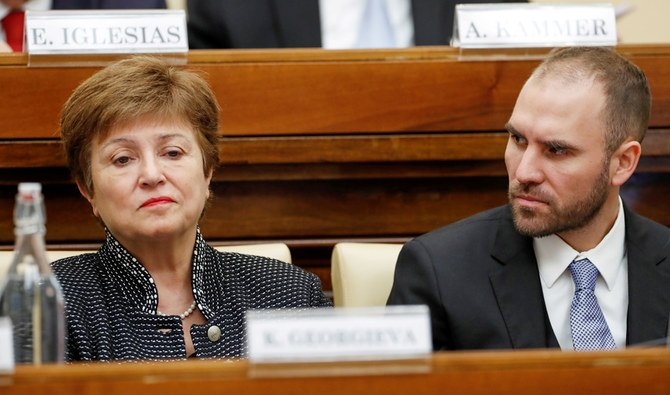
[
  {"x": 433, "y": 20},
  {"x": 648, "y": 280},
  {"x": 517, "y": 288}
]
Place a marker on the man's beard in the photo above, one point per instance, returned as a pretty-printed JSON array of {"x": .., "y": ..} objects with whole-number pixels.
[{"x": 575, "y": 215}]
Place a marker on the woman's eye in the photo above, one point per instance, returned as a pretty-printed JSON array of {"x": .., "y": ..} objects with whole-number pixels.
[
  {"x": 174, "y": 153},
  {"x": 121, "y": 160}
]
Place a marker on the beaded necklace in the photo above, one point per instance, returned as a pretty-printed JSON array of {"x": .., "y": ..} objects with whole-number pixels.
[{"x": 183, "y": 315}]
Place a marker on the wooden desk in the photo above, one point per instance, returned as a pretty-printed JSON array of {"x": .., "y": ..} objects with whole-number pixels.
[
  {"x": 643, "y": 371},
  {"x": 325, "y": 146}
]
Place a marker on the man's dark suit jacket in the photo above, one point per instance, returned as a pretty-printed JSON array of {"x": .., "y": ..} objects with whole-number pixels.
[
  {"x": 296, "y": 23},
  {"x": 479, "y": 277}
]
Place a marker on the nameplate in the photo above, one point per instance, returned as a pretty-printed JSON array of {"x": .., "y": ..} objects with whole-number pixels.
[
  {"x": 6, "y": 346},
  {"x": 533, "y": 25},
  {"x": 339, "y": 334},
  {"x": 106, "y": 32}
]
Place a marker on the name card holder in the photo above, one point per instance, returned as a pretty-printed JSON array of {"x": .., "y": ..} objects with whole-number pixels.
[
  {"x": 521, "y": 30},
  {"x": 341, "y": 334},
  {"x": 97, "y": 37}
]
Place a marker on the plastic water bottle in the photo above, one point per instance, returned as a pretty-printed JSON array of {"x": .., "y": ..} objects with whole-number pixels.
[{"x": 30, "y": 294}]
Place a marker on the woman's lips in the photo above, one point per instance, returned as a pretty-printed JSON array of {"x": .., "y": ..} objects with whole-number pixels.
[{"x": 156, "y": 201}]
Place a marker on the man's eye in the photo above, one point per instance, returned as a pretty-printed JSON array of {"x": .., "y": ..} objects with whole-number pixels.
[
  {"x": 557, "y": 150},
  {"x": 517, "y": 139}
]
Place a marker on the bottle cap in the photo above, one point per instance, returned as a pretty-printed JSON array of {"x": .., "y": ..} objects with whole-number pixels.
[{"x": 30, "y": 187}]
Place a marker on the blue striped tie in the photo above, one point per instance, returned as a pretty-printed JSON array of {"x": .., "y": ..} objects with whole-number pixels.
[{"x": 587, "y": 322}]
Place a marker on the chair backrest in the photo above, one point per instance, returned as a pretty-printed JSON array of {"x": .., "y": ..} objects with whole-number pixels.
[
  {"x": 278, "y": 251},
  {"x": 52, "y": 255},
  {"x": 362, "y": 273}
]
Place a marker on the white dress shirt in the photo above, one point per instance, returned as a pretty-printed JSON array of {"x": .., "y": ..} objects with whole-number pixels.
[
  {"x": 341, "y": 20},
  {"x": 34, "y": 5},
  {"x": 609, "y": 256}
]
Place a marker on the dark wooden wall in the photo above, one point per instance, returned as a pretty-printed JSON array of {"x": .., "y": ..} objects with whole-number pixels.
[{"x": 324, "y": 146}]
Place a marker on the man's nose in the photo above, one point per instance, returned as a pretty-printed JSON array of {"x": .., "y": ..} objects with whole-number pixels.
[{"x": 529, "y": 169}]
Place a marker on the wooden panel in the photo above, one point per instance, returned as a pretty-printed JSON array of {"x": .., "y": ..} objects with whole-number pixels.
[
  {"x": 326, "y": 149},
  {"x": 301, "y": 149},
  {"x": 509, "y": 372},
  {"x": 324, "y": 146},
  {"x": 312, "y": 215},
  {"x": 32, "y": 98},
  {"x": 321, "y": 92},
  {"x": 325, "y": 208},
  {"x": 291, "y": 209}
]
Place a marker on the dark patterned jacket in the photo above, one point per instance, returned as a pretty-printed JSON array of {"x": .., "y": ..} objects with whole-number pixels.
[{"x": 111, "y": 301}]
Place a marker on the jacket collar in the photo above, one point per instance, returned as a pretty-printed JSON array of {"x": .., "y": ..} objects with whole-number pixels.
[
  {"x": 517, "y": 288},
  {"x": 648, "y": 247},
  {"x": 133, "y": 280},
  {"x": 519, "y": 293}
]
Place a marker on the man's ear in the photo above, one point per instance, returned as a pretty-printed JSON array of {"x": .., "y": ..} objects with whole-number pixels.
[
  {"x": 624, "y": 161},
  {"x": 89, "y": 197}
]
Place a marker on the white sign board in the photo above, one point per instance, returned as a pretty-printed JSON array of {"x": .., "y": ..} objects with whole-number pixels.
[
  {"x": 310, "y": 335},
  {"x": 533, "y": 25},
  {"x": 6, "y": 346},
  {"x": 101, "y": 31}
]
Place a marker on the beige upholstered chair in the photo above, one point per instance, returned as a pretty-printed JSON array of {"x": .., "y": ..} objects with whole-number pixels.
[
  {"x": 6, "y": 258},
  {"x": 362, "y": 273},
  {"x": 278, "y": 251}
]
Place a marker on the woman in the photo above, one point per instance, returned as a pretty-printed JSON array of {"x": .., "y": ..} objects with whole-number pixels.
[{"x": 141, "y": 142}]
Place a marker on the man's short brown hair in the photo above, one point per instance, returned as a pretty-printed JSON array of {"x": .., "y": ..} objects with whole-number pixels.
[{"x": 628, "y": 99}]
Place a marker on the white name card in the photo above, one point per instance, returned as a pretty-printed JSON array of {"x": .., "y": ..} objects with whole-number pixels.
[
  {"x": 6, "y": 346},
  {"x": 101, "y": 31},
  {"x": 533, "y": 25},
  {"x": 315, "y": 335}
]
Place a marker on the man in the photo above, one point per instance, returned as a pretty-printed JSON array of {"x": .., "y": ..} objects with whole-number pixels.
[
  {"x": 330, "y": 24},
  {"x": 506, "y": 278}
]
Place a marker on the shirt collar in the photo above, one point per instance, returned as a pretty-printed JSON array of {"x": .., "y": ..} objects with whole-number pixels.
[{"x": 554, "y": 255}]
